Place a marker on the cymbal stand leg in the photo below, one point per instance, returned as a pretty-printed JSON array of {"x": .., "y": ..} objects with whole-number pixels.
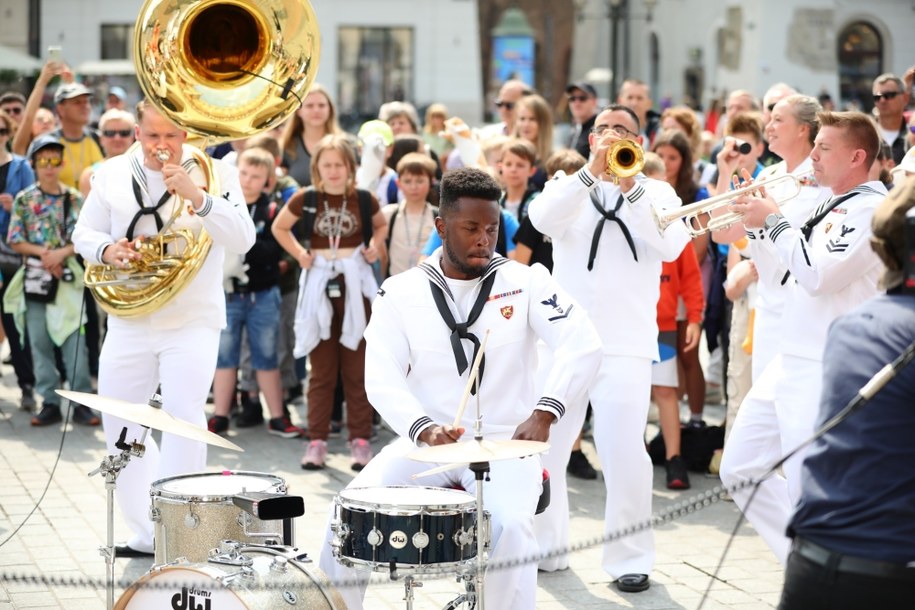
[
  {"x": 481, "y": 473},
  {"x": 111, "y": 467}
]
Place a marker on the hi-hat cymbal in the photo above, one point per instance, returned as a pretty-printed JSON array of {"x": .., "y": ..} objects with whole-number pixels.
[
  {"x": 148, "y": 416},
  {"x": 478, "y": 451}
]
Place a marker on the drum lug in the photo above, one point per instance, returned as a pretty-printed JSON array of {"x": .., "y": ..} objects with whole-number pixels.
[
  {"x": 420, "y": 540},
  {"x": 154, "y": 515},
  {"x": 374, "y": 537},
  {"x": 463, "y": 537},
  {"x": 191, "y": 521}
]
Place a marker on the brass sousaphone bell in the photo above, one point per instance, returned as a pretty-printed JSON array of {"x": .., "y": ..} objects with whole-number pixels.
[{"x": 220, "y": 70}]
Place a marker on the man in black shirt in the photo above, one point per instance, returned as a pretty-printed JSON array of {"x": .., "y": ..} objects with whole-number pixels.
[{"x": 583, "y": 107}]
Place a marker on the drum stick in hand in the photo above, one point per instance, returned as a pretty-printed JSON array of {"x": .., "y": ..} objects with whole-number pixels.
[{"x": 471, "y": 380}]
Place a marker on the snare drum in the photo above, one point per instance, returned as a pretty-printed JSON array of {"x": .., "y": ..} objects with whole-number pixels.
[
  {"x": 259, "y": 577},
  {"x": 411, "y": 527},
  {"x": 192, "y": 513}
]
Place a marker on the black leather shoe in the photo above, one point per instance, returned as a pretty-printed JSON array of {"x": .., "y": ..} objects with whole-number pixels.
[
  {"x": 633, "y": 583},
  {"x": 123, "y": 550}
]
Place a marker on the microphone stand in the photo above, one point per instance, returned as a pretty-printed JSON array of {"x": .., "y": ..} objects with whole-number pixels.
[{"x": 864, "y": 395}]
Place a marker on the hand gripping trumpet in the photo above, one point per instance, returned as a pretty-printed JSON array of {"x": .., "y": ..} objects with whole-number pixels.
[{"x": 693, "y": 213}]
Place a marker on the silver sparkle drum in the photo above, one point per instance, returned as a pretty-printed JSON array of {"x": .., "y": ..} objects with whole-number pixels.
[
  {"x": 193, "y": 513},
  {"x": 412, "y": 529},
  {"x": 247, "y": 577}
]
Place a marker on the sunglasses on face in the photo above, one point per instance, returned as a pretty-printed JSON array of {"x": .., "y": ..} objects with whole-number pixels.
[
  {"x": 886, "y": 95},
  {"x": 124, "y": 133},
  {"x": 578, "y": 98},
  {"x": 48, "y": 162},
  {"x": 506, "y": 105},
  {"x": 13, "y": 110}
]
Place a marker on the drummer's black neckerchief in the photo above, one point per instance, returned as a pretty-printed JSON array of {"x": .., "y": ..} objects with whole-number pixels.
[
  {"x": 605, "y": 216},
  {"x": 459, "y": 331}
]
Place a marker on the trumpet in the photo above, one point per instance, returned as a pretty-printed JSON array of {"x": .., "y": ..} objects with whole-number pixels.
[
  {"x": 691, "y": 213},
  {"x": 624, "y": 159}
]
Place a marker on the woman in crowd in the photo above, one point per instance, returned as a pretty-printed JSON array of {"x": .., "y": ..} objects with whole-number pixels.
[
  {"x": 315, "y": 119},
  {"x": 534, "y": 123}
]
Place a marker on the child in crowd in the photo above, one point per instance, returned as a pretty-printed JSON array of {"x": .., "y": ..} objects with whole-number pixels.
[
  {"x": 680, "y": 282},
  {"x": 411, "y": 221},
  {"x": 532, "y": 246},
  {"x": 517, "y": 165},
  {"x": 341, "y": 232},
  {"x": 253, "y": 305}
]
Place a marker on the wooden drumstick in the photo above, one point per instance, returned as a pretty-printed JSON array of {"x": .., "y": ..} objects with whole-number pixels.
[{"x": 470, "y": 380}]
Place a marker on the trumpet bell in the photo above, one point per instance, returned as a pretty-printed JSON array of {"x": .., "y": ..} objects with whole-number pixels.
[
  {"x": 625, "y": 159},
  {"x": 226, "y": 69}
]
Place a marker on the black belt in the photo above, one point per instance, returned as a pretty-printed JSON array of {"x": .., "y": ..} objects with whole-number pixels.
[{"x": 848, "y": 564}]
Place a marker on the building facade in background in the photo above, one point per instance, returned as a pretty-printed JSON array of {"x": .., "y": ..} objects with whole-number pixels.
[{"x": 442, "y": 50}]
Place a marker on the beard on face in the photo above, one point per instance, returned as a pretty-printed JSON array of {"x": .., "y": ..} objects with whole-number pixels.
[{"x": 462, "y": 266}]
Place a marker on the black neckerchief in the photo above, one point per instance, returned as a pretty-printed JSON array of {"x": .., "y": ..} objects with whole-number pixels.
[
  {"x": 144, "y": 211},
  {"x": 460, "y": 331},
  {"x": 817, "y": 216},
  {"x": 605, "y": 216}
]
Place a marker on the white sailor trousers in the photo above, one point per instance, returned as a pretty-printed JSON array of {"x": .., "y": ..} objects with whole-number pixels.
[{"x": 135, "y": 359}]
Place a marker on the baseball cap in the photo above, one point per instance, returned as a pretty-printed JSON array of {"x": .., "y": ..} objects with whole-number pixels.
[
  {"x": 906, "y": 165},
  {"x": 586, "y": 87},
  {"x": 888, "y": 224},
  {"x": 44, "y": 141},
  {"x": 377, "y": 127},
  {"x": 68, "y": 91},
  {"x": 118, "y": 92}
]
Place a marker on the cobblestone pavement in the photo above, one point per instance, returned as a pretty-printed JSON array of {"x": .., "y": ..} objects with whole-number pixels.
[{"x": 62, "y": 537}]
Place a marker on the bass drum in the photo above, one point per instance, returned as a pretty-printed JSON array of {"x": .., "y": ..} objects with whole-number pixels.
[{"x": 252, "y": 577}]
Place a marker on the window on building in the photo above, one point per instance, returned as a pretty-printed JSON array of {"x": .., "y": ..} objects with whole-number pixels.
[
  {"x": 860, "y": 62},
  {"x": 375, "y": 66},
  {"x": 116, "y": 40}
]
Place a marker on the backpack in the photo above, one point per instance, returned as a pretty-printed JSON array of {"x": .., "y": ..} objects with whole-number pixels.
[
  {"x": 696, "y": 447},
  {"x": 310, "y": 211}
]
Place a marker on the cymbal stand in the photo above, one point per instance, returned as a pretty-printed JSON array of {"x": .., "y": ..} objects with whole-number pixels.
[{"x": 111, "y": 467}]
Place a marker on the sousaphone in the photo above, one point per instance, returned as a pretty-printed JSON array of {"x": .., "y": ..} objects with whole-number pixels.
[{"x": 221, "y": 70}]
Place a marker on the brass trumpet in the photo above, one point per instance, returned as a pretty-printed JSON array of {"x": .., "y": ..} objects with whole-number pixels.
[
  {"x": 691, "y": 213},
  {"x": 624, "y": 159}
]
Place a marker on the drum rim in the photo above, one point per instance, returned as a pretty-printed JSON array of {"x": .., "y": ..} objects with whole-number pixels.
[
  {"x": 411, "y": 568},
  {"x": 409, "y": 509},
  {"x": 156, "y": 490}
]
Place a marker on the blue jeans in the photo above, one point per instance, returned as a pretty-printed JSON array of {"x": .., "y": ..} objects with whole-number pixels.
[
  {"x": 259, "y": 314},
  {"x": 75, "y": 354}
]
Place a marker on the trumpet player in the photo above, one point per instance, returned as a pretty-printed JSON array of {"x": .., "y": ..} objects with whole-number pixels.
[
  {"x": 607, "y": 254},
  {"x": 791, "y": 131},
  {"x": 175, "y": 346},
  {"x": 832, "y": 269}
]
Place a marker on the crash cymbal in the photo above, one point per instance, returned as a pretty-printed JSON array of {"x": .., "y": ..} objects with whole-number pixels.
[
  {"x": 148, "y": 416},
  {"x": 478, "y": 451}
]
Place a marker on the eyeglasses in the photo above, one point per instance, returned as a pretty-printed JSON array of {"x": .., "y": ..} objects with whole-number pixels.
[
  {"x": 578, "y": 98},
  {"x": 619, "y": 130},
  {"x": 48, "y": 162},
  {"x": 4, "y": 131},
  {"x": 506, "y": 105},
  {"x": 886, "y": 95},
  {"x": 124, "y": 133}
]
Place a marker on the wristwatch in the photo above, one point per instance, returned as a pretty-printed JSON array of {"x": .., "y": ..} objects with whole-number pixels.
[{"x": 772, "y": 220}]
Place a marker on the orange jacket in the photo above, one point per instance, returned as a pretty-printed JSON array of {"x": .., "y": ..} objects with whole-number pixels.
[{"x": 681, "y": 278}]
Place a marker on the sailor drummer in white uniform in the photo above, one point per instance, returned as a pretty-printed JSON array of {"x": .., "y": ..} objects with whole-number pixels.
[
  {"x": 134, "y": 195},
  {"x": 832, "y": 270},
  {"x": 426, "y": 327}
]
